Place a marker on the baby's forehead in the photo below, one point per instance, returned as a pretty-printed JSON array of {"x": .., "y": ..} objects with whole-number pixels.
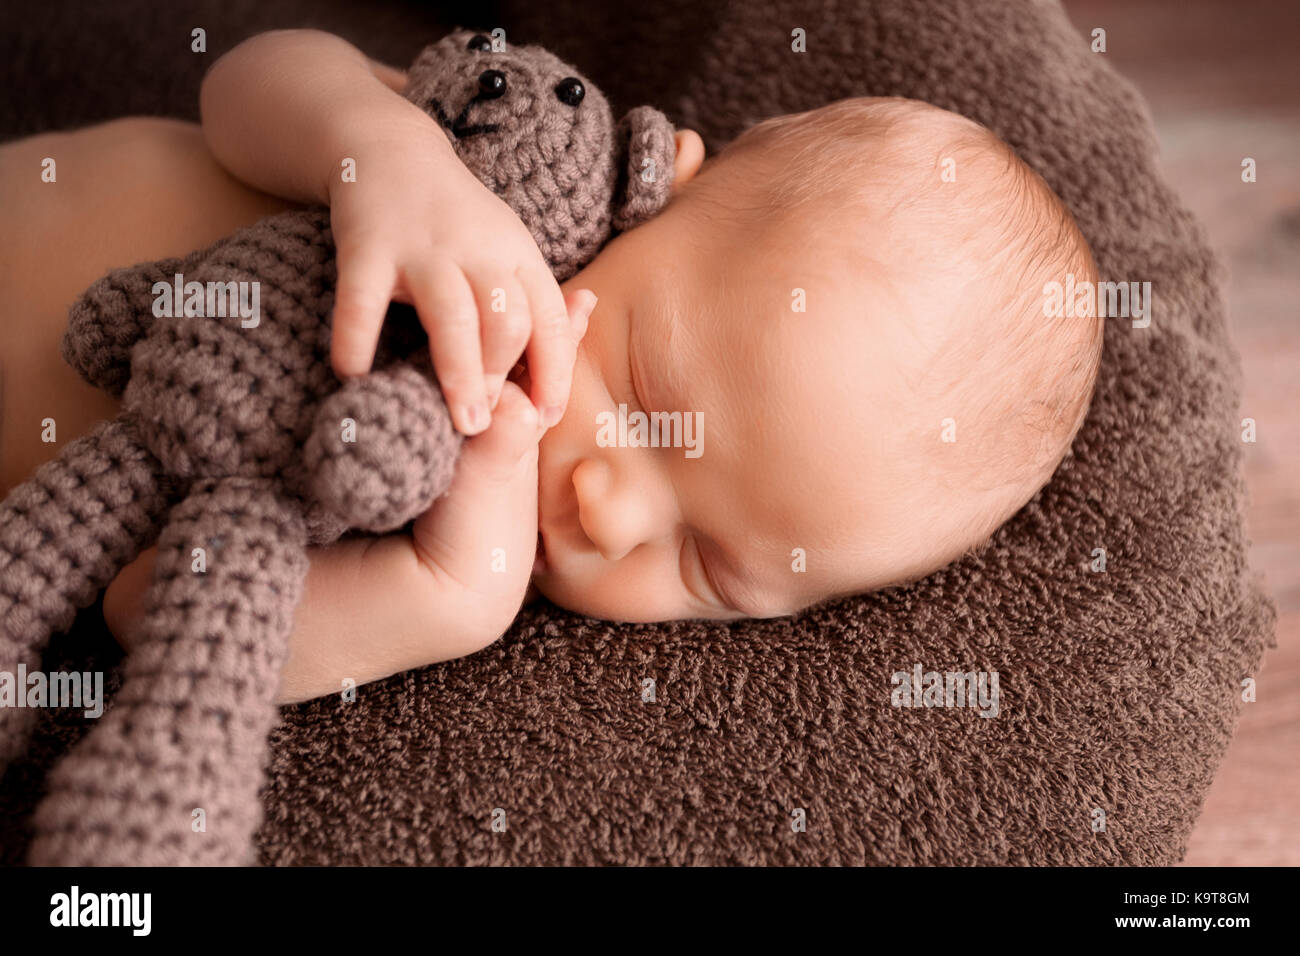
[{"x": 785, "y": 364}]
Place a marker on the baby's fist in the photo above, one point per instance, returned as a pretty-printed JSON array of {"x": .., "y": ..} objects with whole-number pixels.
[{"x": 479, "y": 540}]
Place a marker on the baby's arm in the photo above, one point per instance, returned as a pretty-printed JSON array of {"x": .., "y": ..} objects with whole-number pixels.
[
  {"x": 377, "y": 606},
  {"x": 284, "y": 111}
]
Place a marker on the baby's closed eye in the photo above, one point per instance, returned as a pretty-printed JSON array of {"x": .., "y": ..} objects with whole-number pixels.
[{"x": 698, "y": 579}]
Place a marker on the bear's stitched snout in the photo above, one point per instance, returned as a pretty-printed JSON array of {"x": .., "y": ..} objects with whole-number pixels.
[{"x": 457, "y": 127}]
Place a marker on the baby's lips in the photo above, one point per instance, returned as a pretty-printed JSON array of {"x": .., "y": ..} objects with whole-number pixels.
[{"x": 539, "y": 557}]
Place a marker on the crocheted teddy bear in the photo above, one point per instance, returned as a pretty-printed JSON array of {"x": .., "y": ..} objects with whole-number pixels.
[{"x": 232, "y": 453}]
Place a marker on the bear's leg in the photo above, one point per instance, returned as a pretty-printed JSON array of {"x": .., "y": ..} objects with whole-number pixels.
[
  {"x": 64, "y": 535},
  {"x": 171, "y": 773}
]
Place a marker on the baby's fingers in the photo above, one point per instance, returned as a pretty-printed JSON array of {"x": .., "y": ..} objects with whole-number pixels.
[
  {"x": 448, "y": 312},
  {"x": 505, "y": 334},
  {"x": 365, "y": 285},
  {"x": 495, "y": 455},
  {"x": 553, "y": 345},
  {"x": 491, "y": 508}
]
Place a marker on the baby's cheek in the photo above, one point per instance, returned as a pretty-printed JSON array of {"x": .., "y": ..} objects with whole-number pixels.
[{"x": 569, "y": 441}]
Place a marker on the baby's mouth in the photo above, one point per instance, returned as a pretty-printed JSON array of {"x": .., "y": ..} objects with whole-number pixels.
[{"x": 539, "y": 562}]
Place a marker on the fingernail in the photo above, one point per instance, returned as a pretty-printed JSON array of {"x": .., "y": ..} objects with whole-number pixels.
[
  {"x": 495, "y": 384},
  {"x": 475, "y": 418},
  {"x": 551, "y": 415}
]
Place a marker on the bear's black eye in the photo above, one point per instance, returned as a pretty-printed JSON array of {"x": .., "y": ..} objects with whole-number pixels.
[
  {"x": 570, "y": 90},
  {"x": 479, "y": 42}
]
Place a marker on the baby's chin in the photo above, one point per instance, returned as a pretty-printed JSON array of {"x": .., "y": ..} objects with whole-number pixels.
[
  {"x": 545, "y": 584},
  {"x": 538, "y": 591}
]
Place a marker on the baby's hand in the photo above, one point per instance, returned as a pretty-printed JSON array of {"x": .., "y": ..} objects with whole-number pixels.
[
  {"x": 417, "y": 227},
  {"x": 478, "y": 542},
  {"x": 374, "y": 607}
]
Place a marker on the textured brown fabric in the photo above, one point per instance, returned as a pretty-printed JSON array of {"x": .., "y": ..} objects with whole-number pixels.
[
  {"x": 209, "y": 447},
  {"x": 184, "y": 742},
  {"x": 64, "y": 535},
  {"x": 239, "y": 415},
  {"x": 1119, "y": 690}
]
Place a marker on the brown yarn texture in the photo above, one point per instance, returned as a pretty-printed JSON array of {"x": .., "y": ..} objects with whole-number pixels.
[
  {"x": 230, "y": 452},
  {"x": 1119, "y": 690}
]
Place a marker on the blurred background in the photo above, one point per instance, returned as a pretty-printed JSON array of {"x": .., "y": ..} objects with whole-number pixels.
[{"x": 1222, "y": 80}]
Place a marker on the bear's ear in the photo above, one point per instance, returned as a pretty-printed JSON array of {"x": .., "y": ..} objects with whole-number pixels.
[{"x": 646, "y": 153}]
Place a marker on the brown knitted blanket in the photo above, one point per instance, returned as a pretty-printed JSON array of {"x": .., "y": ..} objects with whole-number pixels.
[{"x": 777, "y": 741}]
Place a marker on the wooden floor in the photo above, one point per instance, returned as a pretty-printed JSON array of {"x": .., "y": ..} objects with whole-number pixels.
[{"x": 1223, "y": 83}]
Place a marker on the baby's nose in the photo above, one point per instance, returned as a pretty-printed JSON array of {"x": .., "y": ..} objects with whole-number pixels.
[
  {"x": 491, "y": 84},
  {"x": 614, "y": 521}
]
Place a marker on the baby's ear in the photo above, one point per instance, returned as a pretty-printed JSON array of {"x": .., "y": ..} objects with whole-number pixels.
[{"x": 646, "y": 150}]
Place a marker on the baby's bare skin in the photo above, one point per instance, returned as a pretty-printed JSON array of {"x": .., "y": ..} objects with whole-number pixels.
[
  {"x": 135, "y": 190},
  {"x": 141, "y": 189},
  {"x": 126, "y": 191},
  {"x": 810, "y": 434}
]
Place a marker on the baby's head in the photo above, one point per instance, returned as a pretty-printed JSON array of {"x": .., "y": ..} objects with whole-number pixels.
[{"x": 823, "y": 369}]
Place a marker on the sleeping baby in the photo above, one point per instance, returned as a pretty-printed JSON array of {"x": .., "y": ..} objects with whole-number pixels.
[{"x": 824, "y": 368}]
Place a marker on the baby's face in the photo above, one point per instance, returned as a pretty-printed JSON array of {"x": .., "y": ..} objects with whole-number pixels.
[{"x": 780, "y": 486}]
